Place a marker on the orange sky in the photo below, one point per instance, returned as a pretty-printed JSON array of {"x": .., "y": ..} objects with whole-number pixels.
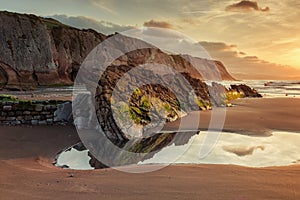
[{"x": 245, "y": 35}]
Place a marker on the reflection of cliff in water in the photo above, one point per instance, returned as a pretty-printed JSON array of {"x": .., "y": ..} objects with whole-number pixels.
[
  {"x": 231, "y": 148},
  {"x": 133, "y": 151}
]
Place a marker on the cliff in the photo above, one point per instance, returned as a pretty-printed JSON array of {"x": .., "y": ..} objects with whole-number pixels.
[
  {"x": 38, "y": 51},
  {"x": 42, "y": 52}
]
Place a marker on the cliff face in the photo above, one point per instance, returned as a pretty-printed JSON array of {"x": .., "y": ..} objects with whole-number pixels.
[
  {"x": 38, "y": 51},
  {"x": 25, "y": 49},
  {"x": 209, "y": 69}
]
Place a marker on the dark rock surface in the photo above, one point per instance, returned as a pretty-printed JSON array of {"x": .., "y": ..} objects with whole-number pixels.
[
  {"x": 37, "y": 51},
  {"x": 64, "y": 113},
  {"x": 35, "y": 112},
  {"x": 245, "y": 90}
]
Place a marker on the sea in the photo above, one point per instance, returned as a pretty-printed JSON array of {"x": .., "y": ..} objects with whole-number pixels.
[{"x": 268, "y": 88}]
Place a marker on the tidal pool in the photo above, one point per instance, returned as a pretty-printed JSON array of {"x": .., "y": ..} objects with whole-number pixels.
[
  {"x": 74, "y": 158},
  {"x": 280, "y": 149}
]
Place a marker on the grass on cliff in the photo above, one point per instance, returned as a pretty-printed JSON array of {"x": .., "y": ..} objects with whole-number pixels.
[
  {"x": 203, "y": 105},
  {"x": 51, "y": 23},
  {"x": 4, "y": 97},
  {"x": 21, "y": 103},
  {"x": 28, "y": 103},
  {"x": 233, "y": 95}
]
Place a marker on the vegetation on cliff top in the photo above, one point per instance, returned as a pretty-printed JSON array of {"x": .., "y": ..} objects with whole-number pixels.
[{"x": 4, "y": 97}]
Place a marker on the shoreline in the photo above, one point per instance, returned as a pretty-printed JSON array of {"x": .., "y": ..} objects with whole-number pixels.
[
  {"x": 27, "y": 172},
  {"x": 240, "y": 152},
  {"x": 245, "y": 104},
  {"x": 251, "y": 116}
]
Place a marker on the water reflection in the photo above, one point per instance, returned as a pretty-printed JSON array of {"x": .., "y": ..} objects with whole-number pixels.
[
  {"x": 75, "y": 157},
  {"x": 280, "y": 149}
]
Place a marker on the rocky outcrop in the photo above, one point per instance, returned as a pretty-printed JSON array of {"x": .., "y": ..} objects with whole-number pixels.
[
  {"x": 245, "y": 91},
  {"x": 64, "y": 113},
  {"x": 181, "y": 63}
]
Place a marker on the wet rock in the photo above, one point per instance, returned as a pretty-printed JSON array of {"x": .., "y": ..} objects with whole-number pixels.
[
  {"x": 11, "y": 114},
  {"x": 3, "y": 114},
  {"x": 10, "y": 118},
  {"x": 38, "y": 108},
  {"x": 7, "y": 108},
  {"x": 37, "y": 117},
  {"x": 15, "y": 123},
  {"x": 49, "y": 121},
  {"x": 19, "y": 113},
  {"x": 64, "y": 112},
  {"x": 26, "y": 113},
  {"x": 28, "y": 117},
  {"x": 43, "y": 123},
  {"x": 34, "y": 122},
  {"x": 20, "y": 118},
  {"x": 49, "y": 116},
  {"x": 245, "y": 90}
]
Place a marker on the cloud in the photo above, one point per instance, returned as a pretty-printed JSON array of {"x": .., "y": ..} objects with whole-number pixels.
[
  {"x": 244, "y": 66},
  {"x": 242, "y": 150},
  {"x": 158, "y": 24},
  {"x": 217, "y": 46},
  {"x": 102, "y": 7},
  {"x": 81, "y": 22},
  {"x": 246, "y": 5},
  {"x": 255, "y": 36}
]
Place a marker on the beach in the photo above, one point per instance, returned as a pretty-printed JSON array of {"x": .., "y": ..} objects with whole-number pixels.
[
  {"x": 27, "y": 171},
  {"x": 257, "y": 117}
]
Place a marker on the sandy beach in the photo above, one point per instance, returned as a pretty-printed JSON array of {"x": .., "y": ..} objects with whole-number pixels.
[
  {"x": 253, "y": 116},
  {"x": 27, "y": 172}
]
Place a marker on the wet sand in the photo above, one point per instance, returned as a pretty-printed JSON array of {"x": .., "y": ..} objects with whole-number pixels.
[
  {"x": 26, "y": 170},
  {"x": 253, "y": 116}
]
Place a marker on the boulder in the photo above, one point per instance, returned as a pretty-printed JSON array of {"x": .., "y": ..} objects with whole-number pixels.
[{"x": 64, "y": 113}]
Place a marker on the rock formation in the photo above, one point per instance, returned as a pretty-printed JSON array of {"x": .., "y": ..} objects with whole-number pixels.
[
  {"x": 39, "y": 51},
  {"x": 42, "y": 52},
  {"x": 245, "y": 90}
]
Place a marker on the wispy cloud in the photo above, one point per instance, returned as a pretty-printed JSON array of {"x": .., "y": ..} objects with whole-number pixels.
[
  {"x": 102, "y": 6},
  {"x": 159, "y": 24},
  {"x": 244, "y": 66},
  {"x": 104, "y": 27}
]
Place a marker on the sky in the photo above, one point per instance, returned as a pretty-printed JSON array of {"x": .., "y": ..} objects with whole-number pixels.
[{"x": 255, "y": 39}]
